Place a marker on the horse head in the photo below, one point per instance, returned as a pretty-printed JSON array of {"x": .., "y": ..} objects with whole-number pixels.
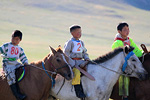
[
  {"x": 59, "y": 63},
  {"x": 134, "y": 66},
  {"x": 145, "y": 59}
]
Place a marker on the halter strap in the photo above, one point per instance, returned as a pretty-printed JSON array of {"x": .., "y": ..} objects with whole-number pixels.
[
  {"x": 52, "y": 79},
  {"x": 56, "y": 69},
  {"x": 53, "y": 67},
  {"x": 126, "y": 59}
]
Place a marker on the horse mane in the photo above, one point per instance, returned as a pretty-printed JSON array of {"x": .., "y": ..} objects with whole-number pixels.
[
  {"x": 37, "y": 63},
  {"x": 59, "y": 49},
  {"x": 108, "y": 56}
]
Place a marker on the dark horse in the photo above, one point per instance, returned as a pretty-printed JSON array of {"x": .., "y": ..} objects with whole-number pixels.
[
  {"x": 36, "y": 83},
  {"x": 138, "y": 90}
]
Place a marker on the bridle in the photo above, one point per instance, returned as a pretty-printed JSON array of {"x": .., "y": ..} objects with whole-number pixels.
[
  {"x": 124, "y": 73},
  {"x": 127, "y": 57},
  {"x": 55, "y": 70}
]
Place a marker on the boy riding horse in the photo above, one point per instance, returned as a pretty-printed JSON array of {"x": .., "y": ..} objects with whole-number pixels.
[
  {"x": 122, "y": 39},
  {"x": 11, "y": 52}
]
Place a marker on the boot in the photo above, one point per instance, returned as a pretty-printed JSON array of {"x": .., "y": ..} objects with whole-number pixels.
[
  {"x": 79, "y": 91},
  {"x": 125, "y": 98},
  {"x": 16, "y": 92}
]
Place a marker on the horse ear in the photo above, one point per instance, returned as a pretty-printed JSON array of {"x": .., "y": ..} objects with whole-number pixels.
[
  {"x": 131, "y": 48},
  {"x": 53, "y": 50},
  {"x": 126, "y": 49},
  {"x": 59, "y": 49}
]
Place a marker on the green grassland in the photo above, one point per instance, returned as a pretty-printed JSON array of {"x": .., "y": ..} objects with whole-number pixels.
[{"x": 47, "y": 22}]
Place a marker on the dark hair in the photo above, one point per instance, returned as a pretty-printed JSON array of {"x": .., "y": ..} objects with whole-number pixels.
[
  {"x": 17, "y": 33},
  {"x": 73, "y": 27},
  {"x": 121, "y": 25}
]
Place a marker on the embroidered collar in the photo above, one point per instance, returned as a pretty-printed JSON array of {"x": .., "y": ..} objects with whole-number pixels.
[
  {"x": 118, "y": 37},
  {"x": 73, "y": 39}
]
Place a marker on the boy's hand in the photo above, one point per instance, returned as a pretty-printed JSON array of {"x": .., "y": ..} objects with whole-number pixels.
[
  {"x": 87, "y": 59},
  {"x": 26, "y": 64}
]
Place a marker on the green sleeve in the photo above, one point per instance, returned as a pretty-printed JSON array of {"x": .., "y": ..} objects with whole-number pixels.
[
  {"x": 136, "y": 50},
  {"x": 116, "y": 44}
]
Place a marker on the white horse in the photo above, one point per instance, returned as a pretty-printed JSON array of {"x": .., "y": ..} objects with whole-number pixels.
[{"x": 105, "y": 79}]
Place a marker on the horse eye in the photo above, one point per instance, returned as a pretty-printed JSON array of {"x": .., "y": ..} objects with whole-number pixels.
[
  {"x": 133, "y": 60},
  {"x": 58, "y": 60}
]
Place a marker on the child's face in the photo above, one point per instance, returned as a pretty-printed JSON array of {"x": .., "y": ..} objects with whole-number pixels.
[
  {"x": 15, "y": 40},
  {"x": 76, "y": 33},
  {"x": 125, "y": 32}
]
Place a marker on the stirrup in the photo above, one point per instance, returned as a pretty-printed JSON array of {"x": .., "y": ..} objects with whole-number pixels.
[{"x": 123, "y": 98}]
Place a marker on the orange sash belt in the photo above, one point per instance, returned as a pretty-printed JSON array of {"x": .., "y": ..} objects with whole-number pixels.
[{"x": 76, "y": 58}]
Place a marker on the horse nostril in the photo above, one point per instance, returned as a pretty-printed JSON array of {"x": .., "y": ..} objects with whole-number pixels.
[
  {"x": 147, "y": 76},
  {"x": 69, "y": 75}
]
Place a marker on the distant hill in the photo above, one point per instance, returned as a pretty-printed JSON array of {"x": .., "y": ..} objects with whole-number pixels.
[
  {"x": 87, "y": 6},
  {"x": 46, "y": 22},
  {"x": 141, "y": 4}
]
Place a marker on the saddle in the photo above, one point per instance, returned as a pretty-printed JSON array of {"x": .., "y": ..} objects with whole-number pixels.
[
  {"x": 20, "y": 73},
  {"x": 83, "y": 70}
]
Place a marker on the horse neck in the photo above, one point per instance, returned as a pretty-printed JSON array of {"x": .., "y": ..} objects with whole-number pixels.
[
  {"x": 39, "y": 74},
  {"x": 39, "y": 71},
  {"x": 114, "y": 64}
]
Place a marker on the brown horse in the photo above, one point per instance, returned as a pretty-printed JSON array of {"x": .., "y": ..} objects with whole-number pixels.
[
  {"x": 36, "y": 84},
  {"x": 138, "y": 90}
]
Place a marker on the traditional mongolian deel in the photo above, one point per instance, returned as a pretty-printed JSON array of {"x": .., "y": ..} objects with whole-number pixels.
[
  {"x": 76, "y": 51},
  {"x": 11, "y": 54}
]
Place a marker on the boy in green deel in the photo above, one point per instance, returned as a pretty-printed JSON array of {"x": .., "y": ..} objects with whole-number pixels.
[{"x": 122, "y": 39}]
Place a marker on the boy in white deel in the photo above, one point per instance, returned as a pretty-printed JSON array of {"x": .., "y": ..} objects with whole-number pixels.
[
  {"x": 74, "y": 48},
  {"x": 11, "y": 52}
]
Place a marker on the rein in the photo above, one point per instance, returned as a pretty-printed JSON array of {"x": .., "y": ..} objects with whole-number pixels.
[
  {"x": 52, "y": 72},
  {"x": 47, "y": 71},
  {"x": 43, "y": 69},
  {"x": 61, "y": 86},
  {"x": 124, "y": 65},
  {"x": 109, "y": 69},
  {"x": 52, "y": 79}
]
